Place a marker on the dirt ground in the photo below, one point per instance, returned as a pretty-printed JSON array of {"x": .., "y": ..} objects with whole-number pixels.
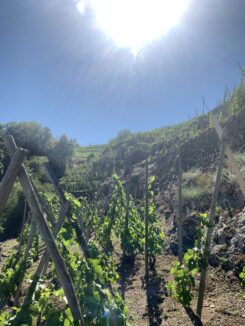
[{"x": 224, "y": 303}]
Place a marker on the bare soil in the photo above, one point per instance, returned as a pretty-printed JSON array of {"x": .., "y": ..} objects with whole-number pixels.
[
  {"x": 224, "y": 303},
  {"x": 224, "y": 300}
]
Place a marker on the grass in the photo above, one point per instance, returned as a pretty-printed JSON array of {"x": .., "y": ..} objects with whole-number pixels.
[
  {"x": 240, "y": 159},
  {"x": 195, "y": 193},
  {"x": 196, "y": 184},
  {"x": 82, "y": 153}
]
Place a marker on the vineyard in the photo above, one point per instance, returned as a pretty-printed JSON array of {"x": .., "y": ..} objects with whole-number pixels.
[{"x": 106, "y": 259}]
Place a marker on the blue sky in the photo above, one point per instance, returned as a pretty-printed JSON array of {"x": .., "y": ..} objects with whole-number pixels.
[{"x": 58, "y": 69}]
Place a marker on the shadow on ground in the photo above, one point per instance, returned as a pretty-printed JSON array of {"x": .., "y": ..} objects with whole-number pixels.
[
  {"x": 196, "y": 321},
  {"x": 126, "y": 270},
  {"x": 155, "y": 296}
]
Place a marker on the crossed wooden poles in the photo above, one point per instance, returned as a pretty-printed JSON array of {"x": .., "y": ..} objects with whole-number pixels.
[{"x": 17, "y": 168}]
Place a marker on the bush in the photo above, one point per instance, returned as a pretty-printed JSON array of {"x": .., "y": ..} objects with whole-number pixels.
[{"x": 11, "y": 218}]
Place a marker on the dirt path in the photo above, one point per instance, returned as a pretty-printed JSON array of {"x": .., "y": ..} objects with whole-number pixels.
[{"x": 224, "y": 302}]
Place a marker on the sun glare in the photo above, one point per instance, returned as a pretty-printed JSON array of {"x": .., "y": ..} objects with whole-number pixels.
[
  {"x": 81, "y": 6},
  {"x": 134, "y": 23}
]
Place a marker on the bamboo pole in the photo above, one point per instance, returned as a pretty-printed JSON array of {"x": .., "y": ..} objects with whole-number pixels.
[
  {"x": 7, "y": 183},
  {"x": 180, "y": 216},
  {"x": 146, "y": 223},
  {"x": 46, "y": 234},
  {"x": 209, "y": 231}
]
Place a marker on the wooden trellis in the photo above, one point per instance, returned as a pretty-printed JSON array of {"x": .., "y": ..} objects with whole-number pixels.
[
  {"x": 17, "y": 168},
  {"x": 39, "y": 219}
]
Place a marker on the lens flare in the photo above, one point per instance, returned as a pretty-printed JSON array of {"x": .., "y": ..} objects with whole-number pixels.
[
  {"x": 81, "y": 6},
  {"x": 134, "y": 23}
]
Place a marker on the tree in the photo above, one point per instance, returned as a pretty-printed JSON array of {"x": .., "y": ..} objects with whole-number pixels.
[
  {"x": 60, "y": 154},
  {"x": 32, "y": 136}
]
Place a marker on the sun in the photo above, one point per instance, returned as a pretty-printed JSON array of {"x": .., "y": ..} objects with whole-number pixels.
[
  {"x": 135, "y": 23},
  {"x": 81, "y": 6}
]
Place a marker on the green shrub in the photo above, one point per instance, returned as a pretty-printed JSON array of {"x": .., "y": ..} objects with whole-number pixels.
[
  {"x": 11, "y": 218},
  {"x": 242, "y": 277}
]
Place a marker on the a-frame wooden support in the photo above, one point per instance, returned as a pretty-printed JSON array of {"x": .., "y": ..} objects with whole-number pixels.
[{"x": 15, "y": 168}]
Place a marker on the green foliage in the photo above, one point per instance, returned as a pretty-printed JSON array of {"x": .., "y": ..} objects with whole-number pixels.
[
  {"x": 93, "y": 279},
  {"x": 39, "y": 141},
  {"x": 60, "y": 155},
  {"x": 238, "y": 96},
  {"x": 132, "y": 231},
  {"x": 161, "y": 141},
  {"x": 196, "y": 185},
  {"x": 99, "y": 302},
  {"x": 180, "y": 287},
  {"x": 12, "y": 216},
  {"x": 14, "y": 271},
  {"x": 242, "y": 277},
  {"x": 48, "y": 305},
  {"x": 87, "y": 212},
  {"x": 156, "y": 238},
  {"x": 235, "y": 102},
  {"x": 2, "y": 151},
  {"x": 124, "y": 224},
  {"x": 31, "y": 136}
]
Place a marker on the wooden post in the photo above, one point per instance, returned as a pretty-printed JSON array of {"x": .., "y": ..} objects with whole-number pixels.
[
  {"x": 23, "y": 226},
  {"x": 127, "y": 210},
  {"x": 29, "y": 240},
  {"x": 46, "y": 234},
  {"x": 64, "y": 203},
  {"x": 26, "y": 254},
  {"x": 146, "y": 223},
  {"x": 209, "y": 231},
  {"x": 43, "y": 264},
  {"x": 230, "y": 156},
  {"x": 179, "y": 222},
  {"x": 7, "y": 183},
  {"x": 47, "y": 209},
  {"x": 55, "y": 183}
]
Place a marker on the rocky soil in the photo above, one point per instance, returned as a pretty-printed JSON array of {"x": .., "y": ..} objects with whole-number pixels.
[{"x": 224, "y": 303}]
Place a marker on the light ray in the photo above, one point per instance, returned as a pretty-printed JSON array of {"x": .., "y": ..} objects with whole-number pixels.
[{"x": 134, "y": 23}]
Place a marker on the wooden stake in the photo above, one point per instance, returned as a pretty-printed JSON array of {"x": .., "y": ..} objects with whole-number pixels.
[
  {"x": 180, "y": 231},
  {"x": 43, "y": 264},
  {"x": 127, "y": 209},
  {"x": 46, "y": 234},
  {"x": 23, "y": 227},
  {"x": 230, "y": 156},
  {"x": 26, "y": 254},
  {"x": 64, "y": 203},
  {"x": 146, "y": 224},
  {"x": 209, "y": 231},
  {"x": 8, "y": 180}
]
